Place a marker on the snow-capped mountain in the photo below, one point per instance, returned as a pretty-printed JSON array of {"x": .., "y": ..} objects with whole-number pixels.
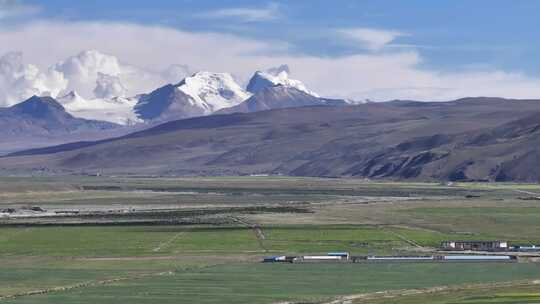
[
  {"x": 201, "y": 94},
  {"x": 166, "y": 103},
  {"x": 119, "y": 110},
  {"x": 279, "y": 97},
  {"x": 273, "y": 77},
  {"x": 101, "y": 116},
  {"x": 213, "y": 91}
]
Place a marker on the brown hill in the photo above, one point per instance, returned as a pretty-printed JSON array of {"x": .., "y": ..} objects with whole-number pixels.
[
  {"x": 42, "y": 121},
  {"x": 468, "y": 139}
]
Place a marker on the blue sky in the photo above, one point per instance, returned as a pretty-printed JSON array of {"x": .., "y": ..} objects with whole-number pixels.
[
  {"x": 417, "y": 49},
  {"x": 450, "y": 34}
]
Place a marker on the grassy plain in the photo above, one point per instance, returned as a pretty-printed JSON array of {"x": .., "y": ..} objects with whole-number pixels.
[
  {"x": 260, "y": 283},
  {"x": 220, "y": 263},
  {"x": 503, "y": 295}
]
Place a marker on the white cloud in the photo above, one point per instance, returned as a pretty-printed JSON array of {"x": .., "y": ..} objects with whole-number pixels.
[
  {"x": 150, "y": 47},
  {"x": 279, "y": 69},
  {"x": 243, "y": 14},
  {"x": 14, "y": 8},
  {"x": 371, "y": 39},
  {"x": 90, "y": 73},
  {"x": 109, "y": 86},
  {"x": 177, "y": 72},
  {"x": 144, "y": 62},
  {"x": 141, "y": 64},
  {"x": 84, "y": 69},
  {"x": 19, "y": 81}
]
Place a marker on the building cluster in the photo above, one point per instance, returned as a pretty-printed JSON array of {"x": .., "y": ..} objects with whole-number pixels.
[
  {"x": 344, "y": 257},
  {"x": 492, "y": 246},
  {"x": 472, "y": 246}
]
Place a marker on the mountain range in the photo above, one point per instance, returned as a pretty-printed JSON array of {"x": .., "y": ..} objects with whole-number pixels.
[
  {"x": 200, "y": 94},
  {"x": 203, "y": 93},
  {"x": 473, "y": 139},
  {"x": 207, "y": 124}
]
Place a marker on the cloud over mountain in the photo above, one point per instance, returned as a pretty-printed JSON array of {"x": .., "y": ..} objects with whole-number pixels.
[
  {"x": 19, "y": 80},
  {"x": 91, "y": 73},
  {"x": 109, "y": 86},
  {"x": 141, "y": 65},
  {"x": 177, "y": 72},
  {"x": 84, "y": 69}
]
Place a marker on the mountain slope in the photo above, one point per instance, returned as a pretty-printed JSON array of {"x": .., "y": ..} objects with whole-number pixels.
[
  {"x": 117, "y": 110},
  {"x": 42, "y": 121},
  {"x": 475, "y": 139},
  {"x": 278, "y": 97},
  {"x": 273, "y": 77},
  {"x": 44, "y": 115},
  {"x": 166, "y": 103},
  {"x": 213, "y": 91},
  {"x": 198, "y": 95}
]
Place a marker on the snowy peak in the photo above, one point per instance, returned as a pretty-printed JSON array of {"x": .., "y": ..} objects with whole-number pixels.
[
  {"x": 273, "y": 77},
  {"x": 279, "y": 97},
  {"x": 71, "y": 97},
  {"x": 213, "y": 91},
  {"x": 166, "y": 103},
  {"x": 277, "y": 70},
  {"x": 118, "y": 110},
  {"x": 259, "y": 82},
  {"x": 201, "y": 94}
]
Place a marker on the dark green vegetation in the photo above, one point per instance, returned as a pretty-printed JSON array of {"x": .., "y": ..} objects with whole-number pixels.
[
  {"x": 272, "y": 283},
  {"x": 214, "y": 258},
  {"x": 137, "y": 241},
  {"x": 473, "y": 139}
]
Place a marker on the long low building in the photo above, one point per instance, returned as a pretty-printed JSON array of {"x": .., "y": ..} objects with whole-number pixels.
[
  {"x": 392, "y": 259},
  {"x": 330, "y": 257},
  {"x": 475, "y": 245},
  {"x": 479, "y": 258},
  {"x": 532, "y": 248},
  {"x": 400, "y": 258},
  {"x": 438, "y": 258}
]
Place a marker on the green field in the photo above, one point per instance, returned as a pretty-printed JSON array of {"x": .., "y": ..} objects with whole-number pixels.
[
  {"x": 141, "y": 241},
  {"x": 220, "y": 262},
  {"x": 271, "y": 283},
  {"x": 504, "y": 221},
  {"x": 506, "y": 295},
  {"x": 123, "y": 241}
]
